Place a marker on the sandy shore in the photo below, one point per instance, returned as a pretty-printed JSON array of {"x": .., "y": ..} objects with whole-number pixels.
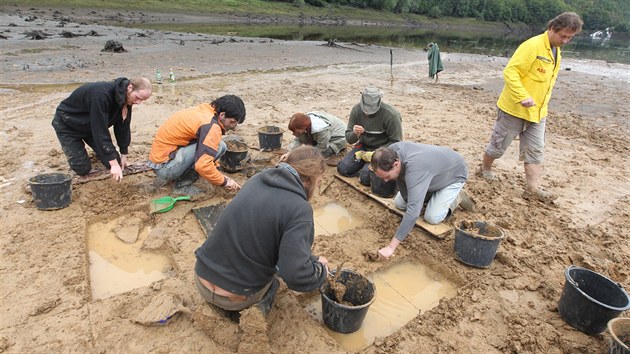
[{"x": 47, "y": 301}]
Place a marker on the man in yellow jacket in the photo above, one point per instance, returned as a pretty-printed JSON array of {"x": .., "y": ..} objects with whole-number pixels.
[
  {"x": 189, "y": 143},
  {"x": 522, "y": 107}
]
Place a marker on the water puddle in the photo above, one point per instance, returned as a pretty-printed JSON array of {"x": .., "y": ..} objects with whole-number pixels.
[
  {"x": 116, "y": 266},
  {"x": 332, "y": 218},
  {"x": 403, "y": 291}
]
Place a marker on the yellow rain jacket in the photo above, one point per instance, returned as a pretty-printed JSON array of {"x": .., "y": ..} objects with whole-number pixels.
[{"x": 531, "y": 72}]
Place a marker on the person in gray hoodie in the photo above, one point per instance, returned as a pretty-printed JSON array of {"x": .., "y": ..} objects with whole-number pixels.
[{"x": 266, "y": 232}]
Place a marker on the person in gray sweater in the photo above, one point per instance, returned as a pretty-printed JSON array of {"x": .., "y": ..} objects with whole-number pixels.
[
  {"x": 266, "y": 231},
  {"x": 424, "y": 173},
  {"x": 372, "y": 124}
]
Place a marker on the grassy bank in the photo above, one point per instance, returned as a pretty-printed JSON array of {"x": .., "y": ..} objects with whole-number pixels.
[{"x": 254, "y": 8}]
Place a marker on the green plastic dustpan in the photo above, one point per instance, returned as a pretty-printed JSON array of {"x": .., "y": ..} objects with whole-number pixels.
[{"x": 164, "y": 204}]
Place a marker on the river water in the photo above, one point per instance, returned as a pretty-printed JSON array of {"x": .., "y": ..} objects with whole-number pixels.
[{"x": 614, "y": 49}]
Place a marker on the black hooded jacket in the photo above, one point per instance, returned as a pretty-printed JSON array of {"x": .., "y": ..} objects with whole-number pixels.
[
  {"x": 268, "y": 228},
  {"x": 92, "y": 108}
]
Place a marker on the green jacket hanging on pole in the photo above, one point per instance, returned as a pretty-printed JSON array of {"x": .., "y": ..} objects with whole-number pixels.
[{"x": 435, "y": 62}]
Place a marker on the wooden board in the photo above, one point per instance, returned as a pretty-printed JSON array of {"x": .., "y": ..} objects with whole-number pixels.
[
  {"x": 440, "y": 230},
  {"x": 208, "y": 216},
  {"x": 104, "y": 174}
]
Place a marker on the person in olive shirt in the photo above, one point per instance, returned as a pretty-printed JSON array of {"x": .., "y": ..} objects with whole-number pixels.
[{"x": 372, "y": 124}]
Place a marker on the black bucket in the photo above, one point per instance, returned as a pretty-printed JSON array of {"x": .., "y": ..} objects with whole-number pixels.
[
  {"x": 270, "y": 138},
  {"x": 589, "y": 300},
  {"x": 51, "y": 190},
  {"x": 235, "y": 156},
  {"x": 476, "y": 243},
  {"x": 360, "y": 294},
  {"x": 381, "y": 188},
  {"x": 619, "y": 330}
]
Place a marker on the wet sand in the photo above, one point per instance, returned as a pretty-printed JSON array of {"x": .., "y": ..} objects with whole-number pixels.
[{"x": 47, "y": 302}]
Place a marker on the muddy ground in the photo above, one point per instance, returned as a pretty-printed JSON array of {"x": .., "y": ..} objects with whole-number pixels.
[{"x": 46, "y": 304}]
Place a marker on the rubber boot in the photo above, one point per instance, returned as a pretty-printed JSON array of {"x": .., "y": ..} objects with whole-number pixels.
[
  {"x": 188, "y": 178},
  {"x": 234, "y": 316},
  {"x": 266, "y": 303},
  {"x": 465, "y": 202},
  {"x": 187, "y": 190},
  {"x": 364, "y": 177}
]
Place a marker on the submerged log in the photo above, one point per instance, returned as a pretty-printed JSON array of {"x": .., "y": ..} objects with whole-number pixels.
[{"x": 37, "y": 35}]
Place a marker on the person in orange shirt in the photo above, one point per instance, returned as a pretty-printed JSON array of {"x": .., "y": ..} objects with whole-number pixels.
[{"x": 189, "y": 143}]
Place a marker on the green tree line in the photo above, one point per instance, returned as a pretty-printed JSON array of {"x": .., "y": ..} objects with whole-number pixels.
[{"x": 597, "y": 14}]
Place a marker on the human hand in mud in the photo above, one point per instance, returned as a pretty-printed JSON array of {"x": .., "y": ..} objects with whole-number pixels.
[
  {"x": 374, "y": 256},
  {"x": 116, "y": 171},
  {"x": 528, "y": 102},
  {"x": 284, "y": 157},
  {"x": 358, "y": 130},
  {"x": 386, "y": 252},
  {"x": 231, "y": 185}
]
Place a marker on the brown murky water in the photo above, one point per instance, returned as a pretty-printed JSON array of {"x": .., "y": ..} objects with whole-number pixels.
[
  {"x": 332, "y": 218},
  {"x": 402, "y": 292},
  {"x": 117, "y": 267}
]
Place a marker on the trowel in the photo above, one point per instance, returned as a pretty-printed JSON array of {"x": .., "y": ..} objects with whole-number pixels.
[{"x": 164, "y": 204}]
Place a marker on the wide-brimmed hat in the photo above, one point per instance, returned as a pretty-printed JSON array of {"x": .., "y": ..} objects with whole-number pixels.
[{"x": 371, "y": 100}]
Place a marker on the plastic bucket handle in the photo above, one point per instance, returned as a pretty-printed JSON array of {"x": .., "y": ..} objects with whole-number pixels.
[{"x": 590, "y": 298}]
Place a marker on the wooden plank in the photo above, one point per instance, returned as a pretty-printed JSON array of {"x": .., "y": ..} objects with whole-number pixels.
[
  {"x": 131, "y": 169},
  {"x": 208, "y": 216},
  {"x": 440, "y": 230}
]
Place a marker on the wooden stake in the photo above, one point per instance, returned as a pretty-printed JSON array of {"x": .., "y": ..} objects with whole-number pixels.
[{"x": 391, "y": 62}]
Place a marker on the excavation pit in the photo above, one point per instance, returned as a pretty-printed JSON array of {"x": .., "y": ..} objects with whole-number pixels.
[
  {"x": 333, "y": 218},
  {"x": 403, "y": 291},
  {"x": 117, "y": 262}
]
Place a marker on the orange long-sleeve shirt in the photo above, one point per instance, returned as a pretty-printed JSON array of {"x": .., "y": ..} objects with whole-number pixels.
[{"x": 197, "y": 124}]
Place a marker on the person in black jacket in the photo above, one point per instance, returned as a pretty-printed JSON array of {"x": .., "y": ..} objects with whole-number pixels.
[
  {"x": 86, "y": 115},
  {"x": 266, "y": 231}
]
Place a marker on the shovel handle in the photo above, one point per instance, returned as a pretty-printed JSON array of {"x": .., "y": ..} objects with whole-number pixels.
[
  {"x": 337, "y": 272},
  {"x": 183, "y": 197}
]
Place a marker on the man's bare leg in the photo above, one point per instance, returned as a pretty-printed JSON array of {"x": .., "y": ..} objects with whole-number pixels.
[
  {"x": 532, "y": 188},
  {"x": 486, "y": 168}
]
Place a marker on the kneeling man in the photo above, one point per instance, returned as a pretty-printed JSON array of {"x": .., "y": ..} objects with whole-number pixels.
[{"x": 423, "y": 172}]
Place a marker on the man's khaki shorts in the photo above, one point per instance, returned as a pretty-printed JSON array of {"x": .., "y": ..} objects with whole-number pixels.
[{"x": 531, "y": 138}]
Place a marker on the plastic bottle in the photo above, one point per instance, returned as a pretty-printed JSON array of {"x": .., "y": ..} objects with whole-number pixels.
[
  {"x": 158, "y": 76},
  {"x": 171, "y": 75}
]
